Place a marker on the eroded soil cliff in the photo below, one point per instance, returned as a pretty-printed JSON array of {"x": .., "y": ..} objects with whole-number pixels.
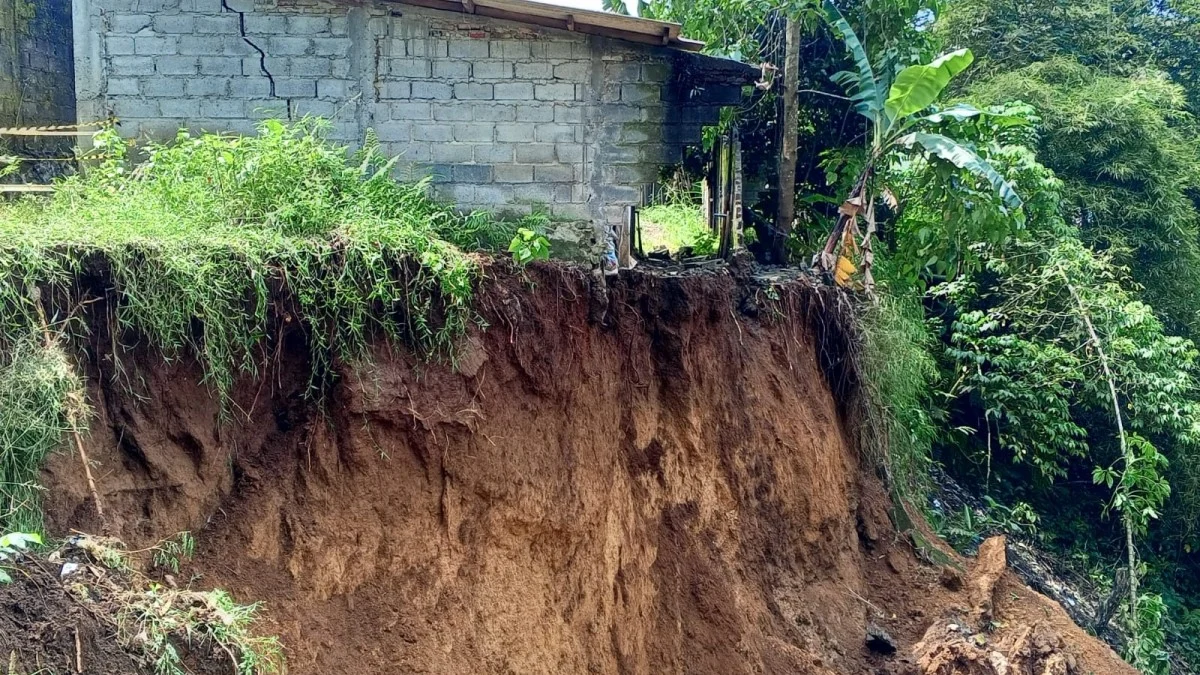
[{"x": 659, "y": 480}]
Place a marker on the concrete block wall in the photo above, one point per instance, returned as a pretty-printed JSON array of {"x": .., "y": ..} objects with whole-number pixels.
[
  {"x": 36, "y": 63},
  {"x": 504, "y": 116}
]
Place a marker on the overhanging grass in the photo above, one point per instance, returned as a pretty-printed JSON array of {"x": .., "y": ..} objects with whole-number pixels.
[
  {"x": 205, "y": 238},
  {"x": 34, "y": 385}
]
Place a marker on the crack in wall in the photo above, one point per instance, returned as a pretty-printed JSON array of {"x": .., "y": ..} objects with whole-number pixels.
[
  {"x": 105, "y": 62},
  {"x": 262, "y": 55}
]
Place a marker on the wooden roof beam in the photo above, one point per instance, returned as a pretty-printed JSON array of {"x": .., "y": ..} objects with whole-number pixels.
[{"x": 631, "y": 29}]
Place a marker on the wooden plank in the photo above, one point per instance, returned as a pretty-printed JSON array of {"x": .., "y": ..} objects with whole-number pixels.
[
  {"x": 39, "y": 132},
  {"x": 26, "y": 188},
  {"x": 443, "y": 5},
  {"x": 588, "y": 16},
  {"x": 739, "y": 240},
  {"x": 632, "y": 29}
]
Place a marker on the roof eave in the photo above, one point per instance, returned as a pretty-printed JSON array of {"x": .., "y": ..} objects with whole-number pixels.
[{"x": 607, "y": 24}]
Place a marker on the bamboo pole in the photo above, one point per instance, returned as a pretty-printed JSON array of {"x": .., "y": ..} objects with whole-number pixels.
[
  {"x": 789, "y": 139},
  {"x": 1130, "y": 551}
]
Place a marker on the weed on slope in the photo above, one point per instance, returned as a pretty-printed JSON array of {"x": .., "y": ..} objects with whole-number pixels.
[{"x": 206, "y": 243}]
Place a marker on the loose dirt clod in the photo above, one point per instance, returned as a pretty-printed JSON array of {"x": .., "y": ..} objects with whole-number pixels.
[
  {"x": 990, "y": 565},
  {"x": 951, "y": 649}
]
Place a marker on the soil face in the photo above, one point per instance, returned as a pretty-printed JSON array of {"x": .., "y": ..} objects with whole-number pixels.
[{"x": 658, "y": 480}]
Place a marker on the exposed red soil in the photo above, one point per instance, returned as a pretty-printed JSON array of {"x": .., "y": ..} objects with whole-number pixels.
[{"x": 670, "y": 487}]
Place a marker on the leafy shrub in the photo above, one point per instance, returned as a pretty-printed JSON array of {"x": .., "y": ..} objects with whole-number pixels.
[
  {"x": 528, "y": 245},
  {"x": 1147, "y": 648},
  {"x": 11, "y": 545}
]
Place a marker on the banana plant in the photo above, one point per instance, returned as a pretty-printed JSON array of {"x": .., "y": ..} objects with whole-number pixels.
[{"x": 893, "y": 107}]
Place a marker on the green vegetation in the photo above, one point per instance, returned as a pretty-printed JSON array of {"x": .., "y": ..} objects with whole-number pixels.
[
  {"x": 206, "y": 226},
  {"x": 11, "y": 545},
  {"x": 170, "y": 553},
  {"x": 207, "y": 247},
  {"x": 676, "y": 220},
  {"x": 899, "y": 429},
  {"x": 967, "y": 528},
  {"x": 34, "y": 386},
  {"x": 675, "y": 226},
  {"x": 1037, "y": 277},
  {"x": 891, "y": 104},
  {"x": 153, "y": 622},
  {"x": 528, "y": 245}
]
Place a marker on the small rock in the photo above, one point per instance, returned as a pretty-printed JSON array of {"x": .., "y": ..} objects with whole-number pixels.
[
  {"x": 894, "y": 562},
  {"x": 879, "y": 641},
  {"x": 68, "y": 569}
]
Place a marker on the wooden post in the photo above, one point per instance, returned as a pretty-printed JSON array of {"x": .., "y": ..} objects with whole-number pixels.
[
  {"x": 735, "y": 215},
  {"x": 789, "y": 136}
]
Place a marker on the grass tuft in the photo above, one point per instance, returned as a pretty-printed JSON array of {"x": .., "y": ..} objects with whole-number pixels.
[
  {"x": 898, "y": 371},
  {"x": 34, "y": 386},
  {"x": 163, "y": 626},
  {"x": 156, "y": 620},
  {"x": 208, "y": 245}
]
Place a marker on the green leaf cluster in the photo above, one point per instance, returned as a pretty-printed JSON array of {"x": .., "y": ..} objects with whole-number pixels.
[
  {"x": 11, "y": 545},
  {"x": 529, "y": 245}
]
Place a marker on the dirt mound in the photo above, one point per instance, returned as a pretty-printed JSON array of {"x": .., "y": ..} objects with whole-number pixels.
[
  {"x": 655, "y": 480},
  {"x": 996, "y": 641},
  {"x": 85, "y": 607},
  {"x": 951, "y": 649},
  {"x": 44, "y": 629}
]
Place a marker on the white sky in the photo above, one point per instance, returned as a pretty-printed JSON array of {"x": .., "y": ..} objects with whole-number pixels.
[{"x": 581, "y": 4}]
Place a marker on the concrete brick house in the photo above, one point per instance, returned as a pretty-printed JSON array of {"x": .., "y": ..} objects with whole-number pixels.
[{"x": 510, "y": 105}]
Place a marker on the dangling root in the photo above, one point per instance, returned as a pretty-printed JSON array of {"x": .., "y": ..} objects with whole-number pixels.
[{"x": 74, "y": 403}]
